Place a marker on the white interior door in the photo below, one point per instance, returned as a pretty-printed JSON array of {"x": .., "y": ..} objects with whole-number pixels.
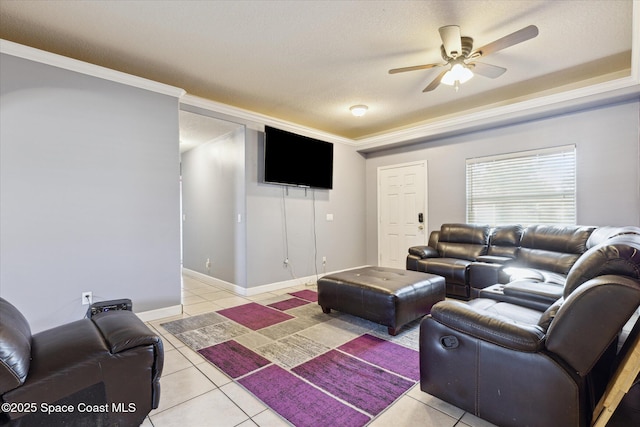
[{"x": 402, "y": 220}]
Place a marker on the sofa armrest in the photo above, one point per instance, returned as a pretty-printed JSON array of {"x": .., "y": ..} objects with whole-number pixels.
[
  {"x": 536, "y": 292},
  {"x": 488, "y": 326},
  {"x": 423, "y": 252},
  {"x": 483, "y": 274},
  {"x": 123, "y": 330}
]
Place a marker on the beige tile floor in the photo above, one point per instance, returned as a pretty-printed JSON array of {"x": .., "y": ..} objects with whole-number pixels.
[{"x": 195, "y": 393}]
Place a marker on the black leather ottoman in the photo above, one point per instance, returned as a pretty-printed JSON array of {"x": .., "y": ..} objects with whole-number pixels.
[{"x": 388, "y": 296}]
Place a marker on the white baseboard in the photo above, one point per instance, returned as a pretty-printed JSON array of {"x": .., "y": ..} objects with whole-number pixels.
[
  {"x": 214, "y": 282},
  {"x": 160, "y": 313},
  {"x": 269, "y": 287}
]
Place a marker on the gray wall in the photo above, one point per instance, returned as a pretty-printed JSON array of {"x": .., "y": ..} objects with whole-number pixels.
[
  {"x": 89, "y": 196},
  {"x": 212, "y": 199},
  {"x": 277, "y": 222},
  {"x": 608, "y": 157},
  {"x": 310, "y": 235}
]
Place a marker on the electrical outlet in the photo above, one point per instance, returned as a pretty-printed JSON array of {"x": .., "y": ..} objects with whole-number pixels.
[
  {"x": 208, "y": 264},
  {"x": 324, "y": 260},
  {"x": 285, "y": 263},
  {"x": 87, "y": 298}
]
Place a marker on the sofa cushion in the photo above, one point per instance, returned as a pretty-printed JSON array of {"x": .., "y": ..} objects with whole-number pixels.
[
  {"x": 15, "y": 347},
  {"x": 464, "y": 233},
  {"x": 463, "y": 241},
  {"x": 617, "y": 255},
  {"x": 505, "y": 240},
  {"x": 601, "y": 234},
  {"x": 553, "y": 248},
  {"x": 463, "y": 251},
  {"x": 512, "y": 274},
  {"x": 500, "y": 323},
  {"x": 561, "y": 238}
]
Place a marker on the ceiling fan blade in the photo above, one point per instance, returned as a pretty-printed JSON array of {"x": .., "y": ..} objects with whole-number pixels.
[
  {"x": 435, "y": 83},
  {"x": 413, "y": 68},
  {"x": 487, "y": 70},
  {"x": 451, "y": 41},
  {"x": 509, "y": 40}
]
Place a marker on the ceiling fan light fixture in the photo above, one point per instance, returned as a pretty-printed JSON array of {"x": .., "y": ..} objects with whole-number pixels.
[
  {"x": 458, "y": 73},
  {"x": 359, "y": 110}
]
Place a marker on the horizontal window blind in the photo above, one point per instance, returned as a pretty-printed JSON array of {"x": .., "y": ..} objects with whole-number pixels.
[{"x": 534, "y": 187}]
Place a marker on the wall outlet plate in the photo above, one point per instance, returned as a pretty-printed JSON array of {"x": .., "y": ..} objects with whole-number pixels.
[{"x": 87, "y": 298}]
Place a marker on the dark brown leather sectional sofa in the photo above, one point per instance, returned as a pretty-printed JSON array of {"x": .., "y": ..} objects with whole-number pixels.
[
  {"x": 509, "y": 355},
  {"x": 103, "y": 371},
  {"x": 473, "y": 257}
]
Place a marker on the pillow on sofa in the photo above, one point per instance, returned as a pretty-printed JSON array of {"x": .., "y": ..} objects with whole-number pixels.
[{"x": 15, "y": 347}]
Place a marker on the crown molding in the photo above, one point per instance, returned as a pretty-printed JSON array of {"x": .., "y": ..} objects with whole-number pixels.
[
  {"x": 615, "y": 90},
  {"x": 59, "y": 61},
  {"x": 258, "y": 121}
]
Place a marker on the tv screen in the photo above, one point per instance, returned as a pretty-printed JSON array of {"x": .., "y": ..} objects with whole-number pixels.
[{"x": 292, "y": 159}]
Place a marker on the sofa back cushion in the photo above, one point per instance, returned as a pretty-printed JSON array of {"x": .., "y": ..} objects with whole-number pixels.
[
  {"x": 553, "y": 248},
  {"x": 618, "y": 255},
  {"x": 463, "y": 241},
  {"x": 601, "y": 234},
  {"x": 15, "y": 347},
  {"x": 505, "y": 240}
]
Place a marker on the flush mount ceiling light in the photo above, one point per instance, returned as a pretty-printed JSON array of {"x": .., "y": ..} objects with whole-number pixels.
[{"x": 359, "y": 110}]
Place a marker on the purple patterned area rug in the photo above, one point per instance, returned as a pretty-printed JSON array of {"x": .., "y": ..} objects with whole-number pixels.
[
  {"x": 255, "y": 316},
  {"x": 233, "y": 359},
  {"x": 312, "y": 368},
  {"x": 288, "y": 304},
  {"x": 299, "y": 402},
  {"x": 307, "y": 295},
  {"x": 365, "y": 386},
  {"x": 385, "y": 354}
]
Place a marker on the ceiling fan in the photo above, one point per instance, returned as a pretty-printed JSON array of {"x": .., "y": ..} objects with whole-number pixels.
[{"x": 457, "y": 51}]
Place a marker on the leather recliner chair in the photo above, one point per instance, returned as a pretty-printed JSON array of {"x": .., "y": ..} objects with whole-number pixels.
[
  {"x": 102, "y": 371},
  {"x": 515, "y": 366}
]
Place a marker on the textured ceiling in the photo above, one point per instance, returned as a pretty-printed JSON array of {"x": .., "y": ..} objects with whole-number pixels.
[{"x": 307, "y": 62}]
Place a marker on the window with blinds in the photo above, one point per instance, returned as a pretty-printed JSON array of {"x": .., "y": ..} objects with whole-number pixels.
[{"x": 534, "y": 187}]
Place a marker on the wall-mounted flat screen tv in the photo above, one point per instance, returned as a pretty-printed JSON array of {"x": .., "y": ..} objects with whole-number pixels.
[{"x": 292, "y": 159}]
